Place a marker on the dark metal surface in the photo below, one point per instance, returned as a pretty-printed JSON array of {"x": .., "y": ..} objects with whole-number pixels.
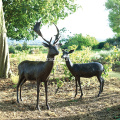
[
  {"x": 86, "y": 70},
  {"x": 38, "y": 70}
]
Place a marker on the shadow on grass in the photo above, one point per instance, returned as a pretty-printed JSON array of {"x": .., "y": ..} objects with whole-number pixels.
[
  {"x": 104, "y": 114},
  {"x": 6, "y": 84},
  {"x": 111, "y": 113},
  {"x": 12, "y": 105},
  {"x": 87, "y": 100}
]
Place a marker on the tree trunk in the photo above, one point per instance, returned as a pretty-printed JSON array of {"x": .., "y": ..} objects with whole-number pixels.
[{"x": 4, "y": 52}]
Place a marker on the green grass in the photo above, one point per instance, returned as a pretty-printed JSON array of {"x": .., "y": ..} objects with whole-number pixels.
[{"x": 114, "y": 74}]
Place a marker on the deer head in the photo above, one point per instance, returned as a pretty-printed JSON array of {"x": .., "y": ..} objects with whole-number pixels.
[
  {"x": 52, "y": 48},
  {"x": 66, "y": 54}
]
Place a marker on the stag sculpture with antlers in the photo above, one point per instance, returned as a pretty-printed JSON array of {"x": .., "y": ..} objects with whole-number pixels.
[{"x": 38, "y": 70}]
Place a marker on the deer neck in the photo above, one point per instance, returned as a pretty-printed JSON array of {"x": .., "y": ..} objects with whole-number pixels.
[
  {"x": 69, "y": 64},
  {"x": 50, "y": 58},
  {"x": 49, "y": 62}
]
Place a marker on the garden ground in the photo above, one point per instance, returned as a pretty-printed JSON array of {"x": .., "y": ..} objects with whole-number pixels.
[{"x": 63, "y": 105}]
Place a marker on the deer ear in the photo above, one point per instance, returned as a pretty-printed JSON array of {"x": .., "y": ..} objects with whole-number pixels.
[
  {"x": 71, "y": 51},
  {"x": 45, "y": 45}
]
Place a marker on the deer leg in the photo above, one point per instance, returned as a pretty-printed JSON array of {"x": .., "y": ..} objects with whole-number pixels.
[
  {"x": 56, "y": 90},
  {"x": 80, "y": 88},
  {"x": 100, "y": 81},
  {"x": 18, "y": 84},
  {"x": 76, "y": 86},
  {"x": 21, "y": 86},
  {"x": 46, "y": 95},
  {"x": 38, "y": 90}
]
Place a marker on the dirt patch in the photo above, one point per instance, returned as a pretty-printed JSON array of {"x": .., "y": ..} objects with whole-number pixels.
[{"x": 63, "y": 105}]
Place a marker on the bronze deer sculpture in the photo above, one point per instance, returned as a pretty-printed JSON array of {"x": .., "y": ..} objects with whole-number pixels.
[
  {"x": 86, "y": 70},
  {"x": 38, "y": 70}
]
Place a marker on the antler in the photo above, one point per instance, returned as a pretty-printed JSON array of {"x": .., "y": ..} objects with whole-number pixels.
[
  {"x": 37, "y": 30},
  {"x": 57, "y": 37}
]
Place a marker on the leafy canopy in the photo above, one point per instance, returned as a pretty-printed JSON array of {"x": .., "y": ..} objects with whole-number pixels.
[
  {"x": 114, "y": 15},
  {"x": 21, "y": 15},
  {"x": 80, "y": 41}
]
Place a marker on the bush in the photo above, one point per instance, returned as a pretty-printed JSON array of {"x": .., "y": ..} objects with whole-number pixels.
[
  {"x": 73, "y": 47},
  {"x": 34, "y": 51},
  {"x": 101, "y": 45},
  {"x": 24, "y": 46},
  {"x": 19, "y": 47},
  {"x": 106, "y": 46},
  {"x": 12, "y": 49},
  {"x": 79, "y": 40}
]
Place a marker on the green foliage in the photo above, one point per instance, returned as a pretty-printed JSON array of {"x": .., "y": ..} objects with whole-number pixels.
[
  {"x": 24, "y": 46},
  {"x": 101, "y": 45},
  {"x": 59, "y": 82},
  {"x": 107, "y": 58},
  {"x": 34, "y": 51},
  {"x": 79, "y": 40},
  {"x": 21, "y": 16},
  {"x": 73, "y": 47},
  {"x": 109, "y": 43},
  {"x": 12, "y": 49},
  {"x": 115, "y": 41},
  {"x": 107, "y": 46},
  {"x": 19, "y": 47},
  {"x": 114, "y": 14},
  {"x": 22, "y": 56}
]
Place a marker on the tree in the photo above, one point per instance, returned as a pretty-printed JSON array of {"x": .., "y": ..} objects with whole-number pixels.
[
  {"x": 4, "y": 54},
  {"x": 21, "y": 15},
  {"x": 24, "y": 47},
  {"x": 114, "y": 15},
  {"x": 80, "y": 40}
]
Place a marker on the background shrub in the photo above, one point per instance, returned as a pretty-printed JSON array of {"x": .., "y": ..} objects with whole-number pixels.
[
  {"x": 12, "y": 49},
  {"x": 24, "y": 46},
  {"x": 79, "y": 40},
  {"x": 18, "y": 47}
]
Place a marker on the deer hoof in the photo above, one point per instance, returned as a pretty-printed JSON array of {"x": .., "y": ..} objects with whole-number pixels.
[
  {"x": 48, "y": 108},
  {"x": 17, "y": 101},
  {"x": 81, "y": 96},
  {"x": 38, "y": 108},
  {"x": 75, "y": 95},
  {"x": 98, "y": 95}
]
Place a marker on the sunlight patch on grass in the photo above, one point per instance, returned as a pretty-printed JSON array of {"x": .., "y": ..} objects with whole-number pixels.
[
  {"x": 72, "y": 94},
  {"x": 14, "y": 79},
  {"x": 114, "y": 74},
  {"x": 51, "y": 114},
  {"x": 67, "y": 109},
  {"x": 113, "y": 89}
]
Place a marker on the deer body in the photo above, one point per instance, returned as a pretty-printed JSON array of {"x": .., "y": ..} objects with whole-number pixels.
[
  {"x": 38, "y": 70},
  {"x": 32, "y": 70},
  {"x": 86, "y": 70}
]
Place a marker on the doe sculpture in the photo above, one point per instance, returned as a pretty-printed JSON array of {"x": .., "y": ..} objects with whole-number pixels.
[
  {"x": 38, "y": 70},
  {"x": 86, "y": 70}
]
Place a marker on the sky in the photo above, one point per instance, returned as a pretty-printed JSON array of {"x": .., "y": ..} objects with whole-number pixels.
[{"x": 91, "y": 19}]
